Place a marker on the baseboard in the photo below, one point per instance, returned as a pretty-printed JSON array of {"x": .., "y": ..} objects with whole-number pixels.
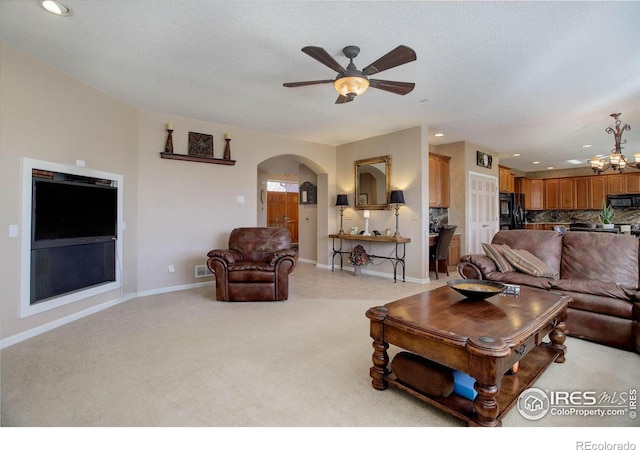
[
  {"x": 379, "y": 274},
  {"x": 16, "y": 338}
]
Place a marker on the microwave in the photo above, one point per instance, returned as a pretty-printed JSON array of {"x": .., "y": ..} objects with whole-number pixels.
[{"x": 624, "y": 200}]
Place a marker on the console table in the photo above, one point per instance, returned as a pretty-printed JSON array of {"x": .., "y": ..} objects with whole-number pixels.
[{"x": 395, "y": 259}]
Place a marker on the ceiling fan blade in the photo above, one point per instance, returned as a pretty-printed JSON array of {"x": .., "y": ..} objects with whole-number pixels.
[
  {"x": 306, "y": 83},
  {"x": 396, "y": 87},
  {"x": 343, "y": 99},
  {"x": 320, "y": 54},
  {"x": 396, "y": 57}
]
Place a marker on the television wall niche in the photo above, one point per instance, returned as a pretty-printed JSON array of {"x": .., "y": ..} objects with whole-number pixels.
[{"x": 73, "y": 233}]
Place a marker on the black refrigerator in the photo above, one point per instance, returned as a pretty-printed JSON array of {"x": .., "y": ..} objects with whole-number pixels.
[{"x": 511, "y": 211}]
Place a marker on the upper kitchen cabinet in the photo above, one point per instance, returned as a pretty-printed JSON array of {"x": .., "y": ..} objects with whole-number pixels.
[
  {"x": 507, "y": 179},
  {"x": 533, "y": 190},
  {"x": 438, "y": 181},
  {"x": 582, "y": 187},
  {"x": 632, "y": 182}
]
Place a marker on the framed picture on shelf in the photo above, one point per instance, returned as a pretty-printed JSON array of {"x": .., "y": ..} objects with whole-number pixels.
[
  {"x": 483, "y": 160},
  {"x": 363, "y": 199},
  {"x": 354, "y": 230},
  {"x": 200, "y": 144}
]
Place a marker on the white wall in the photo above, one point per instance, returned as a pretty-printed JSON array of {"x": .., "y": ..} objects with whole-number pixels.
[
  {"x": 409, "y": 172},
  {"x": 175, "y": 211}
]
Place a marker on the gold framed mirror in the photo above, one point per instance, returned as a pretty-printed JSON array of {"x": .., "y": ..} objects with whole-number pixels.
[{"x": 373, "y": 182}]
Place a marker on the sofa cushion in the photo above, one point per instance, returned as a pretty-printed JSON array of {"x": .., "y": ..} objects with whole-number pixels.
[
  {"x": 525, "y": 262},
  {"x": 545, "y": 245},
  {"x": 600, "y": 256},
  {"x": 597, "y": 301},
  {"x": 520, "y": 278},
  {"x": 494, "y": 251},
  {"x": 259, "y": 243}
]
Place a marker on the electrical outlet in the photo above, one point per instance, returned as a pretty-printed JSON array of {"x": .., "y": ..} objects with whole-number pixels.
[{"x": 171, "y": 268}]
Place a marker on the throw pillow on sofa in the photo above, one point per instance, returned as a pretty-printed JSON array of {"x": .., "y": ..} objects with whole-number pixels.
[
  {"x": 525, "y": 262},
  {"x": 494, "y": 252}
]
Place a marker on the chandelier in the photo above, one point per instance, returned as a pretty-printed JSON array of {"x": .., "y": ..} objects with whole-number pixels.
[{"x": 617, "y": 161}]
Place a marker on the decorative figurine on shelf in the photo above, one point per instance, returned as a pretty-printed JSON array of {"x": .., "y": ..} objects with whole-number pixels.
[
  {"x": 168, "y": 148},
  {"x": 227, "y": 148}
]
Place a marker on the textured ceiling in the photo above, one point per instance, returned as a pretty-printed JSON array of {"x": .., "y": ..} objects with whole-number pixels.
[{"x": 537, "y": 78}]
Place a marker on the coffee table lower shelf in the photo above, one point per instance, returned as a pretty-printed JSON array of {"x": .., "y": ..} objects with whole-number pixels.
[{"x": 531, "y": 367}]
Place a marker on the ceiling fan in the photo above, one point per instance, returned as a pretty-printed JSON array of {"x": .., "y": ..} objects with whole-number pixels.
[{"x": 352, "y": 82}]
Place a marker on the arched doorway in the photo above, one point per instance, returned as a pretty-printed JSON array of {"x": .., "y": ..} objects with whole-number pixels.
[{"x": 283, "y": 207}]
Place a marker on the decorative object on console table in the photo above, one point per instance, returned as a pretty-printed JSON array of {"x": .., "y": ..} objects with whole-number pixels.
[
  {"x": 200, "y": 144},
  {"x": 341, "y": 201},
  {"x": 397, "y": 197},
  {"x": 227, "y": 147},
  {"x": 169, "y": 145},
  {"x": 366, "y": 223},
  {"x": 483, "y": 160}
]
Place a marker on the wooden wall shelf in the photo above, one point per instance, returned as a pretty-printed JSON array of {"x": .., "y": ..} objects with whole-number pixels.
[{"x": 202, "y": 159}]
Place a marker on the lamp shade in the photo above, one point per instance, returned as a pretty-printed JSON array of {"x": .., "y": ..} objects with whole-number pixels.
[
  {"x": 396, "y": 197},
  {"x": 341, "y": 200},
  {"x": 354, "y": 85}
]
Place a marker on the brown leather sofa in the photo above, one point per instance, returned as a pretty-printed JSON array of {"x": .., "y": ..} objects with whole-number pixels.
[
  {"x": 255, "y": 267},
  {"x": 599, "y": 271}
]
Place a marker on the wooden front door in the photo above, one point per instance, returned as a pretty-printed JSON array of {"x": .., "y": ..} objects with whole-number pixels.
[{"x": 282, "y": 211}]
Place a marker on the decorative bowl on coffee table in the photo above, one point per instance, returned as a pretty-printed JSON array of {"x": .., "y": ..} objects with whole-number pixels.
[{"x": 477, "y": 289}]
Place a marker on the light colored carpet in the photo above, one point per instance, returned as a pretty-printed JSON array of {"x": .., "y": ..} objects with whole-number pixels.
[{"x": 184, "y": 359}]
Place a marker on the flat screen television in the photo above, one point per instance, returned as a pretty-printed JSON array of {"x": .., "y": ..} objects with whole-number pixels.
[{"x": 69, "y": 212}]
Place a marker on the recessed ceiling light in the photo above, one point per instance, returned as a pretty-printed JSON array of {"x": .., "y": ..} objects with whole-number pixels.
[
  {"x": 516, "y": 154},
  {"x": 439, "y": 134},
  {"x": 550, "y": 167},
  {"x": 55, "y": 8},
  {"x": 586, "y": 145},
  {"x": 575, "y": 161},
  {"x": 536, "y": 162}
]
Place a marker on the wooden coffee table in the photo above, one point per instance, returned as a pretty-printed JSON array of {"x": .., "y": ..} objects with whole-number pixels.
[{"x": 481, "y": 338}]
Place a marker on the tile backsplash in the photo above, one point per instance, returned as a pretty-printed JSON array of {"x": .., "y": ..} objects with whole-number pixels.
[
  {"x": 622, "y": 216},
  {"x": 437, "y": 218}
]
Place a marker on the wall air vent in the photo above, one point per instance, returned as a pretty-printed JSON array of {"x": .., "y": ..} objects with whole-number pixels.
[{"x": 203, "y": 271}]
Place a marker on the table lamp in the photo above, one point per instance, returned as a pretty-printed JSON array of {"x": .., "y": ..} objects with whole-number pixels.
[
  {"x": 341, "y": 201},
  {"x": 397, "y": 197}
]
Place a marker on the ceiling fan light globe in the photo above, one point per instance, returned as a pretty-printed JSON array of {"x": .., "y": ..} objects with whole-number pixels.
[{"x": 350, "y": 86}]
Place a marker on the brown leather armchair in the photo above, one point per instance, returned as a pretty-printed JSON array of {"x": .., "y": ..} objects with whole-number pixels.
[{"x": 255, "y": 267}]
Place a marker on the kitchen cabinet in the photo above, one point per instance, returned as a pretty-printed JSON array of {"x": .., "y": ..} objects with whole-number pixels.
[
  {"x": 632, "y": 183},
  {"x": 552, "y": 193},
  {"x": 506, "y": 179},
  {"x": 615, "y": 184},
  {"x": 533, "y": 190},
  {"x": 598, "y": 191},
  {"x": 559, "y": 193},
  {"x": 454, "y": 251},
  {"x": 438, "y": 181},
  {"x": 583, "y": 192},
  {"x": 567, "y": 193}
]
